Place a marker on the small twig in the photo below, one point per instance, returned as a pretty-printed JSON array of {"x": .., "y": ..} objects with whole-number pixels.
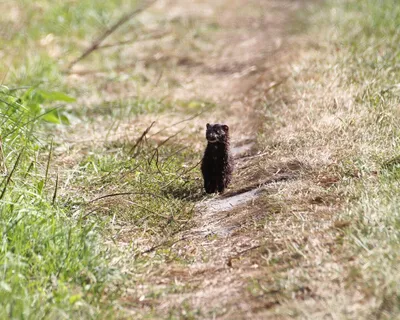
[
  {"x": 125, "y": 194},
  {"x": 89, "y": 213},
  {"x": 8, "y": 178},
  {"x": 142, "y": 219},
  {"x": 247, "y": 250},
  {"x": 157, "y": 160},
  {"x": 179, "y": 122},
  {"x": 162, "y": 244},
  {"x": 19, "y": 88},
  {"x": 255, "y": 156},
  {"x": 55, "y": 191},
  {"x": 140, "y": 139},
  {"x": 169, "y": 138},
  {"x": 162, "y": 143},
  {"x": 116, "y": 44},
  {"x": 125, "y": 18},
  {"x": 175, "y": 153},
  {"x": 48, "y": 164},
  {"x": 237, "y": 255},
  {"x": 150, "y": 36},
  {"x": 191, "y": 168},
  {"x": 181, "y": 175}
]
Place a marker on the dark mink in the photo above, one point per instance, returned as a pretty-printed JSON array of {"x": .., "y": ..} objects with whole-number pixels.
[{"x": 217, "y": 163}]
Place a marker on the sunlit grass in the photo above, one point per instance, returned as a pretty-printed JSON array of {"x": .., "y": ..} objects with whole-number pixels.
[
  {"x": 55, "y": 263},
  {"x": 345, "y": 122},
  {"x": 50, "y": 264}
]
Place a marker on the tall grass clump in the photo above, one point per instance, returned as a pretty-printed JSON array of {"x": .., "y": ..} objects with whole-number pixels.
[{"x": 50, "y": 265}]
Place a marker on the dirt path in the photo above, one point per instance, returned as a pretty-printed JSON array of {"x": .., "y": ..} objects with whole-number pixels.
[
  {"x": 240, "y": 257},
  {"x": 245, "y": 60}
]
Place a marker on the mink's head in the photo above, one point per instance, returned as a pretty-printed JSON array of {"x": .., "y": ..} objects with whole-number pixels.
[{"x": 217, "y": 133}]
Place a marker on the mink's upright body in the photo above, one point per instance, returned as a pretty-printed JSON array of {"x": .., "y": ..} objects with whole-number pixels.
[{"x": 217, "y": 163}]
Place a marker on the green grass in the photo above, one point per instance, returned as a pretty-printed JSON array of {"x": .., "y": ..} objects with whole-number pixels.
[
  {"x": 51, "y": 265},
  {"x": 54, "y": 260},
  {"x": 48, "y": 34},
  {"x": 161, "y": 181}
]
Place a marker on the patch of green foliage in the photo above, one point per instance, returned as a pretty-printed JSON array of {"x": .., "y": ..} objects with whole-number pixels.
[{"x": 51, "y": 265}]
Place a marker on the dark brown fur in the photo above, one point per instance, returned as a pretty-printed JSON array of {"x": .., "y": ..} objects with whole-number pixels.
[{"x": 217, "y": 163}]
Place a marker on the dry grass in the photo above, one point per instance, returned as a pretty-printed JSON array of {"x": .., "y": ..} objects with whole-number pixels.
[{"x": 336, "y": 116}]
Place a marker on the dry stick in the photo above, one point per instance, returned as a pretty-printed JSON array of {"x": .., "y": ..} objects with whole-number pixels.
[
  {"x": 245, "y": 158},
  {"x": 179, "y": 122},
  {"x": 29, "y": 169},
  {"x": 8, "y": 178},
  {"x": 162, "y": 143},
  {"x": 162, "y": 244},
  {"x": 237, "y": 255},
  {"x": 167, "y": 139},
  {"x": 140, "y": 139},
  {"x": 181, "y": 175},
  {"x": 158, "y": 168},
  {"x": 175, "y": 153},
  {"x": 48, "y": 164},
  {"x": 125, "y": 194},
  {"x": 151, "y": 36},
  {"x": 119, "y": 43},
  {"x": 55, "y": 191},
  {"x": 167, "y": 241},
  {"x": 89, "y": 213},
  {"x": 191, "y": 168},
  {"x": 142, "y": 219},
  {"x": 131, "y": 202},
  {"x": 125, "y": 18}
]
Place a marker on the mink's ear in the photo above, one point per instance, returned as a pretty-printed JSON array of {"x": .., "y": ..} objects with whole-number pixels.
[
  {"x": 225, "y": 128},
  {"x": 207, "y": 125}
]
